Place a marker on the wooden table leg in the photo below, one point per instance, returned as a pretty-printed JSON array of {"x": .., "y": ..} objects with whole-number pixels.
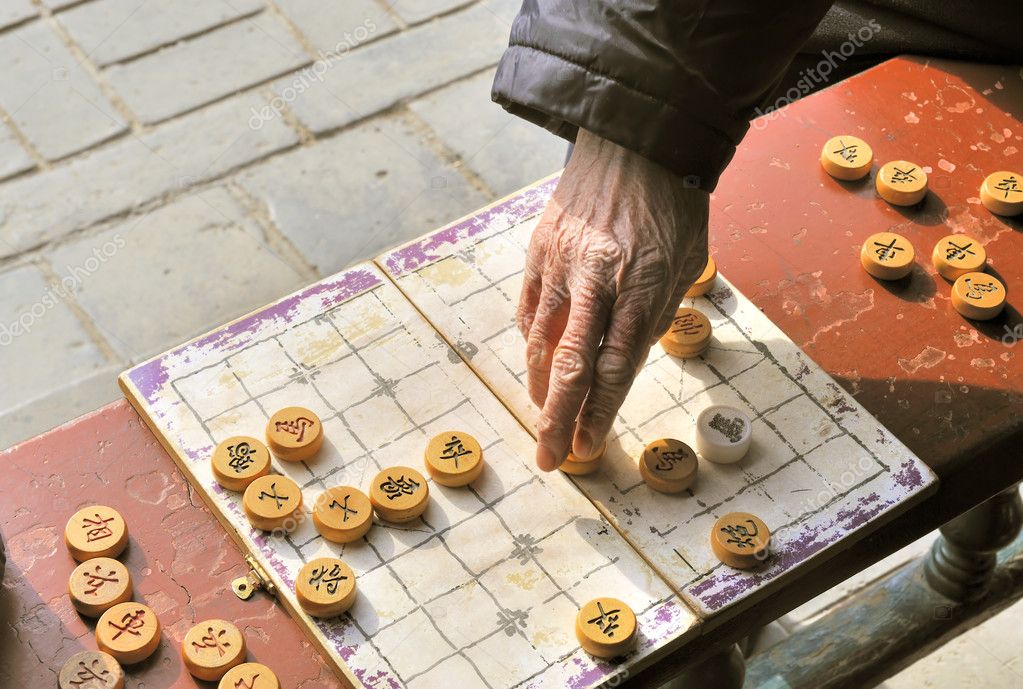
[{"x": 962, "y": 561}]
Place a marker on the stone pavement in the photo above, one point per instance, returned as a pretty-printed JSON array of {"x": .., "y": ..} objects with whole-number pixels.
[{"x": 168, "y": 165}]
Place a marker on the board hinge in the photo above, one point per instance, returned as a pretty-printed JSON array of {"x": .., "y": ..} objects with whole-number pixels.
[{"x": 255, "y": 579}]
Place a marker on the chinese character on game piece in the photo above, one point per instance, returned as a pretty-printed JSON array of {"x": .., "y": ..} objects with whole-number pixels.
[
  {"x": 330, "y": 578},
  {"x": 95, "y": 580},
  {"x": 903, "y": 176},
  {"x": 1009, "y": 185},
  {"x": 343, "y": 506},
  {"x": 241, "y": 456},
  {"x": 977, "y": 290},
  {"x": 213, "y": 640},
  {"x": 454, "y": 449},
  {"x": 687, "y": 324},
  {"x": 847, "y": 151},
  {"x": 886, "y": 251},
  {"x": 954, "y": 252},
  {"x": 606, "y": 621},
  {"x": 296, "y": 427},
  {"x": 131, "y": 622},
  {"x": 88, "y": 675},
  {"x": 667, "y": 460},
  {"x": 279, "y": 500},
  {"x": 741, "y": 536},
  {"x": 97, "y": 528},
  {"x": 396, "y": 488}
]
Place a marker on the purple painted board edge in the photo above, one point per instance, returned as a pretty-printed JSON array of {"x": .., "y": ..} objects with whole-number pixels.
[
  {"x": 149, "y": 377},
  {"x": 511, "y": 211},
  {"x": 725, "y": 585}
]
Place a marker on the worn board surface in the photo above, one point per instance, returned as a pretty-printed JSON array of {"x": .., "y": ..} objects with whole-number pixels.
[
  {"x": 480, "y": 592},
  {"x": 821, "y": 472}
]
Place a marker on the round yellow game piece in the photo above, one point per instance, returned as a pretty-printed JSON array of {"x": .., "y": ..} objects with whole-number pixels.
[
  {"x": 454, "y": 458},
  {"x": 249, "y": 676},
  {"x": 887, "y": 256},
  {"x": 740, "y": 540},
  {"x": 846, "y": 157},
  {"x": 343, "y": 514},
  {"x": 130, "y": 632},
  {"x": 668, "y": 465},
  {"x": 689, "y": 334},
  {"x": 238, "y": 461},
  {"x": 606, "y": 627},
  {"x": 978, "y": 296},
  {"x": 272, "y": 502},
  {"x": 706, "y": 279},
  {"x": 91, "y": 670},
  {"x": 399, "y": 494},
  {"x": 294, "y": 434},
  {"x": 99, "y": 584},
  {"x": 325, "y": 587},
  {"x": 901, "y": 183},
  {"x": 1002, "y": 193},
  {"x": 957, "y": 255},
  {"x": 211, "y": 648},
  {"x": 96, "y": 531},
  {"x": 577, "y": 466}
]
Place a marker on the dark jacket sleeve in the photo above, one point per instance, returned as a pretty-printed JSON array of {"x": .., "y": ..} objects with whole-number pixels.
[{"x": 674, "y": 80}]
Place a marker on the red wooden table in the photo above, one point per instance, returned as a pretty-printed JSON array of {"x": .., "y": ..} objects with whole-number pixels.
[{"x": 782, "y": 230}]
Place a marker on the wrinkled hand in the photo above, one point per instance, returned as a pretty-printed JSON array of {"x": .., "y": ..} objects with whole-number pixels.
[{"x": 621, "y": 241}]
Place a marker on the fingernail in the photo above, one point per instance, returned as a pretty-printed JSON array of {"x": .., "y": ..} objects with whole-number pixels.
[
  {"x": 582, "y": 445},
  {"x": 546, "y": 460}
]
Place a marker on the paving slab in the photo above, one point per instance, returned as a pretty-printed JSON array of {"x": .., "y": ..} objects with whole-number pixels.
[
  {"x": 415, "y": 11},
  {"x": 506, "y": 152},
  {"x": 114, "y": 30},
  {"x": 336, "y": 28},
  {"x": 14, "y": 11},
  {"x": 203, "y": 69},
  {"x": 56, "y": 104},
  {"x": 13, "y": 157},
  {"x": 350, "y": 197},
  {"x": 135, "y": 171},
  {"x": 181, "y": 269}
]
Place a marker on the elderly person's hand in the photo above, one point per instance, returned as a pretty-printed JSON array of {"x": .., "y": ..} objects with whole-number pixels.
[{"x": 621, "y": 241}]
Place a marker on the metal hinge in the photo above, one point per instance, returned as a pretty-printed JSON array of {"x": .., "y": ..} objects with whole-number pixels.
[{"x": 256, "y": 578}]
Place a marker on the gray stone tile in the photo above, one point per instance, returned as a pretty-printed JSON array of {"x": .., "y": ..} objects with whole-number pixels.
[
  {"x": 14, "y": 11},
  {"x": 415, "y": 11},
  {"x": 113, "y": 30},
  {"x": 338, "y": 27},
  {"x": 180, "y": 270},
  {"x": 200, "y": 70},
  {"x": 136, "y": 170},
  {"x": 13, "y": 157},
  {"x": 43, "y": 346},
  {"x": 367, "y": 189},
  {"x": 507, "y": 152},
  {"x": 49, "y": 96},
  {"x": 376, "y": 76}
]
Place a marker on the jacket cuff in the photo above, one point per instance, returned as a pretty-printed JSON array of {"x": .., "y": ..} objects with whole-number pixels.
[{"x": 562, "y": 96}]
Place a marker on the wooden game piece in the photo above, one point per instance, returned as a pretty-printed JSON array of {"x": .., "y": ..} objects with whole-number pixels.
[
  {"x": 957, "y": 255},
  {"x": 454, "y": 458},
  {"x": 846, "y": 157},
  {"x": 294, "y": 434},
  {"x": 688, "y": 335},
  {"x": 91, "y": 670},
  {"x": 887, "y": 256},
  {"x": 606, "y": 627},
  {"x": 705, "y": 281},
  {"x": 399, "y": 494},
  {"x": 342, "y": 514},
  {"x": 1002, "y": 193},
  {"x": 272, "y": 502},
  {"x": 99, "y": 584},
  {"x": 130, "y": 632},
  {"x": 211, "y": 648},
  {"x": 723, "y": 434},
  {"x": 576, "y": 466},
  {"x": 668, "y": 465},
  {"x": 740, "y": 540},
  {"x": 249, "y": 676},
  {"x": 325, "y": 587},
  {"x": 901, "y": 183},
  {"x": 978, "y": 296},
  {"x": 95, "y": 531},
  {"x": 238, "y": 461}
]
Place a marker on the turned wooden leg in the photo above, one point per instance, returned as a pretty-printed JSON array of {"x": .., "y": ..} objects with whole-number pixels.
[
  {"x": 723, "y": 670},
  {"x": 962, "y": 560}
]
